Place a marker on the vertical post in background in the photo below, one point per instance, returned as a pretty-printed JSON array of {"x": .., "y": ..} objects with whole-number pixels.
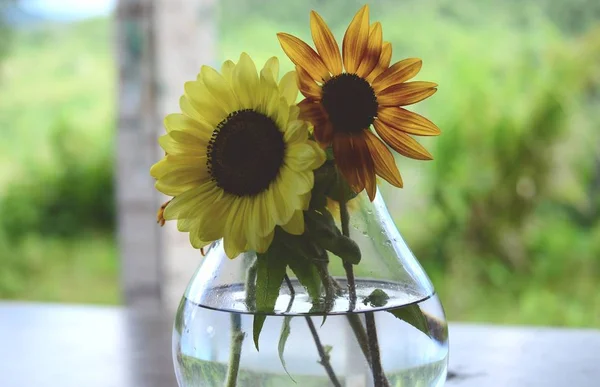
[
  {"x": 185, "y": 33},
  {"x": 160, "y": 45},
  {"x": 138, "y": 234}
]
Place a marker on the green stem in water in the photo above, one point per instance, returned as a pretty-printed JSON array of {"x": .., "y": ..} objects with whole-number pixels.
[
  {"x": 324, "y": 357},
  {"x": 235, "y": 352},
  {"x": 366, "y": 339},
  {"x": 345, "y": 219},
  {"x": 251, "y": 286},
  {"x": 292, "y": 293},
  {"x": 378, "y": 375},
  {"x": 313, "y": 330},
  {"x": 363, "y": 340}
]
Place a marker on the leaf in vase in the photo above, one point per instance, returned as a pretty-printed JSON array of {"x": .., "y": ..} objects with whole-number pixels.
[
  {"x": 259, "y": 321},
  {"x": 321, "y": 227},
  {"x": 340, "y": 190},
  {"x": 270, "y": 270},
  {"x": 412, "y": 315},
  {"x": 285, "y": 332},
  {"x": 307, "y": 275},
  {"x": 377, "y": 298}
]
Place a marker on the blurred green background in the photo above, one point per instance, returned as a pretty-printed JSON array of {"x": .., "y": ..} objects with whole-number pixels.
[{"x": 506, "y": 219}]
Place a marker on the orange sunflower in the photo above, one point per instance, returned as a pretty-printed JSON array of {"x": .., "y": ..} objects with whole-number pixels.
[{"x": 346, "y": 94}]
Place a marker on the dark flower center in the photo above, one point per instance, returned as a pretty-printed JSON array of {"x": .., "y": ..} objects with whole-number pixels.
[
  {"x": 350, "y": 103},
  {"x": 245, "y": 153}
]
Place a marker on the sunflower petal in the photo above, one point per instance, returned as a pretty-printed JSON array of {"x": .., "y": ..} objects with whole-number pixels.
[
  {"x": 212, "y": 218},
  {"x": 273, "y": 65},
  {"x": 177, "y": 182},
  {"x": 203, "y": 102},
  {"x": 219, "y": 88},
  {"x": 296, "y": 182},
  {"x": 304, "y": 56},
  {"x": 399, "y": 72},
  {"x": 187, "y": 138},
  {"x": 295, "y": 133},
  {"x": 303, "y": 157},
  {"x": 324, "y": 133},
  {"x": 180, "y": 122},
  {"x": 268, "y": 100},
  {"x": 174, "y": 162},
  {"x": 407, "y": 121},
  {"x": 227, "y": 70},
  {"x": 245, "y": 81},
  {"x": 279, "y": 208},
  {"x": 401, "y": 142},
  {"x": 406, "y": 93},
  {"x": 384, "y": 61},
  {"x": 355, "y": 162},
  {"x": 262, "y": 243},
  {"x": 182, "y": 203},
  {"x": 265, "y": 220},
  {"x": 308, "y": 87},
  {"x": 385, "y": 165},
  {"x": 234, "y": 240},
  {"x": 325, "y": 43},
  {"x": 189, "y": 110},
  {"x": 373, "y": 51},
  {"x": 196, "y": 242},
  {"x": 312, "y": 111},
  {"x": 198, "y": 216},
  {"x": 356, "y": 40},
  {"x": 315, "y": 114},
  {"x": 288, "y": 87},
  {"x": 283, "y": 113},
  {"x": 296, "y": 224},
  {"x": 174, "y": 147}
]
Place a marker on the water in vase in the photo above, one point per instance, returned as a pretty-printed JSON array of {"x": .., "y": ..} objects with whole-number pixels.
[{"x": 409, "y": 357}]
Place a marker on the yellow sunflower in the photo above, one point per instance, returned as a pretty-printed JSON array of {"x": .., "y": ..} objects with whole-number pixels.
[
  {"x": 343, "y": 101},
  {"x": 238, "y": 160}
]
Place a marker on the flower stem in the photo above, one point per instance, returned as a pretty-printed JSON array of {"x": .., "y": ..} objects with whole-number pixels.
[
  {"x": 345, "y": 219},
  {"x": 378, "y": 375},
  {"x": 366, "y": 339},
  {"x": 292, "y": 293},
  {"x": 235, "y": 353},
  {"x": 324, "y": 356},
  {"x": 313, "y": 330},
  {"x": 251, "y": 285},
  {"x": 363, "y": 341},
  {"x": 361, "y": 335}
]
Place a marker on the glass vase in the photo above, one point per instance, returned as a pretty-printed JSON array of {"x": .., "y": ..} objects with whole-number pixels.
[{"x": 390, "y": 332}]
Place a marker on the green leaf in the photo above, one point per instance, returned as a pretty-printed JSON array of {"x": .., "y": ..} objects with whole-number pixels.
[
  {"x": 270, "y": 270},
  {"x": 377, "y": 298},
  {"x": 321, "y": 227},
  {"x": 346, "y": 249},
  {"x": 285, "y": 332},
  {"x": 340, "y": 190},
  {"x": 413, "y": 315},
  {"x": 329, "y": 153},
  {"x": 259, "y": 321},
  {"x": 307, "y": 274}
]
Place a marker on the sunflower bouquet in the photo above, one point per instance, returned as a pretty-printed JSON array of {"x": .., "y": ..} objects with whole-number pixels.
[{"x": 250, "y": 168}]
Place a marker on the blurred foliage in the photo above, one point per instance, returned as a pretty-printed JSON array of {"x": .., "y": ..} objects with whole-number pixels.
[
  {"x": 70, "y": 197},
  {"x": 506, "y": 220},
  {"x": 56, "y": 165},
  {"x": 6, "y": 32}
]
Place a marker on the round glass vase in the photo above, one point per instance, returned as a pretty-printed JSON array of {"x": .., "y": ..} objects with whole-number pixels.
[{"x": 390, "y": 332}]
